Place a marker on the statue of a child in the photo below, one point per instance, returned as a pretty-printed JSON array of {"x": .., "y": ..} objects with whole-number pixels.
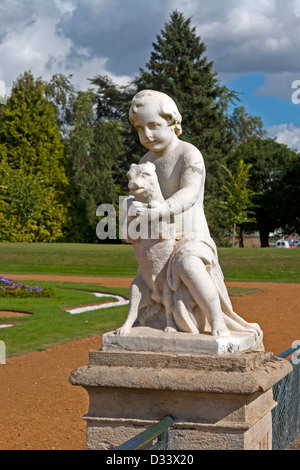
[{"x": 194, "y": 275}]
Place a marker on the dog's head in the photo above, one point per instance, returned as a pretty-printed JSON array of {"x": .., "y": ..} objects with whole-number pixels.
[{"x": 142, "y": 179}]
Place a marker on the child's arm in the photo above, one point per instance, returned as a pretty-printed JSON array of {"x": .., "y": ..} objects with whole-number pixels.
[
  {"x": 190, "y": 183},
  {"x": 192, "y": 173}
]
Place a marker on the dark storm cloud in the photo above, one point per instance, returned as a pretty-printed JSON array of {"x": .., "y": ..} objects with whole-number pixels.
[
  {"x": 121, "y": 33},
  {"x": 247, "y": 36},
  {"x": 17, "y": 15}
]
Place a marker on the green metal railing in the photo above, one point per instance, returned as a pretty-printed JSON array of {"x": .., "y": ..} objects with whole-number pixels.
[
  {"x": 289, "y": 351},
  {"x": 159, "y": 430}
]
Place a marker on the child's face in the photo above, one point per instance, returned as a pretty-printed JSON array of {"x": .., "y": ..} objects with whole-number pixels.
[{"x": 155, "y": 133}]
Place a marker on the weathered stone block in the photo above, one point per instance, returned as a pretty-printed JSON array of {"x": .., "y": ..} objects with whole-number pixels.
[{"x": 218, "y": 402}]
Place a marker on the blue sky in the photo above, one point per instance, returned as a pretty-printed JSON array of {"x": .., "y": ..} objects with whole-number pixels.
[
  {"x": 279, "y": 115},
  {"x": 270, "y": 108},
  {"x": 254, "y": 46}
]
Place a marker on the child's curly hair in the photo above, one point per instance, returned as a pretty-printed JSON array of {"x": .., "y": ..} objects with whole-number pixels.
[{"x": 168, "y": 109}]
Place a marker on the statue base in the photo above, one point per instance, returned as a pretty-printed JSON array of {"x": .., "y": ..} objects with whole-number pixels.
[
  {"x": 219, "y": 402},
  {"x": 150, "y": 339}
]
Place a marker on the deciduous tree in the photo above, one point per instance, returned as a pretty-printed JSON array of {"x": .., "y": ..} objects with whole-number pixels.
[
  {"x": 237, "y": 198},
  {"x": 94, "y": 146},
  {"x": 273, "y": 171}
]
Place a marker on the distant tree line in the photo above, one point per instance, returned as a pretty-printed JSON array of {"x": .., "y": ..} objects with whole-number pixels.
[{"x": 64, "y": 152}]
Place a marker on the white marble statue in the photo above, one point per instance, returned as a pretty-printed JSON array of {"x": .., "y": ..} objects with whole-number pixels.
[{"x": 179, "y": 285}]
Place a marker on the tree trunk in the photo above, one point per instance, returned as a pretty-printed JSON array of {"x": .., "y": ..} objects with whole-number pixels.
[
  {"x": 23, "y": 234},
  {"x": 233, "y": 236},
  {"x": 264, "y": 237},
  {"x": 241, "y": 238}
]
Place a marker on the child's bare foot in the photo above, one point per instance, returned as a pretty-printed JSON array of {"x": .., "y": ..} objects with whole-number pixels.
[
  {"x": 124, "y": 330},
  {"x": 170, "y": 329}
]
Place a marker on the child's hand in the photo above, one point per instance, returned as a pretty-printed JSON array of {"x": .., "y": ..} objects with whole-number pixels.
[
  {"x": 161, "y": 210},
  {"x": 136, "y": 206}
]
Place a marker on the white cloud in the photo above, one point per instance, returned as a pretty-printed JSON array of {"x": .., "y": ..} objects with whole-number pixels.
[
  {"x": 287, "y": 134},
  {"x": 65, "y": 6},
  {"x": 243, "y": 36},
  {"x": 30, "y": 48},
  {"x": 296, "y": 7},
  {"x": 30, "y": 41},
  {"x": 2, "y": 92},
  {"x": 97, "y": 6},
  {"x": 248, "y": 36},
  {"x": 279, "y": 85},
  {"x": 90, "y": 37}
]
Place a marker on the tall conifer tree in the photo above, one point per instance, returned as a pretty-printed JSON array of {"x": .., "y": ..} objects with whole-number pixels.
[
  {"x": 31, "y": 142},
  {"x": 178, "y": 66}
]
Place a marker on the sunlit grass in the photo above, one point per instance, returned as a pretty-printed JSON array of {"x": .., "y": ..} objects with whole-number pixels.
[{"x": 247, "y": 264}]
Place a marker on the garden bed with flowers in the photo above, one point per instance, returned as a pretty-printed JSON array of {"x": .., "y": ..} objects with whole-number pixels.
[{"x": 11, "y": 288}]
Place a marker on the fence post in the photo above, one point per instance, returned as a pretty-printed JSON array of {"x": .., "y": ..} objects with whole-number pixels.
[{"x": 2, "y": 353}]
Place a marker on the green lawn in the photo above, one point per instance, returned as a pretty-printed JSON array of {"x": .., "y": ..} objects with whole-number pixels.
[
  {"x": 67, "y": 258},
  {"x": 260, "y": 264},
  {"x": 253, "y": 264},
  {"x": 50, "y": 324}
]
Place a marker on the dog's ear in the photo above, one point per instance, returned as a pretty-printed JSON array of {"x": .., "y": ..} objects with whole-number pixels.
[
  {"x": 132, "y": 168},
  {"x": 151, "y": 167}
]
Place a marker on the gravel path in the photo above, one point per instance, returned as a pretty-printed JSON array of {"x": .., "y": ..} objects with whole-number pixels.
[{"x": 42, "y": 411}]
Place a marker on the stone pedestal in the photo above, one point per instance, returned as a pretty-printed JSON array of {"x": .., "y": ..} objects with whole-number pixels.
[
  {"x": 147, "y": 339},
  {"x": 219, "y": 401}
]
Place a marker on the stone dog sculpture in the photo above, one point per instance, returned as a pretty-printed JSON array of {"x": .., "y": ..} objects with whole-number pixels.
[
  {"x": 179, "y": 278},
  {"x": 149, "y": 292}
]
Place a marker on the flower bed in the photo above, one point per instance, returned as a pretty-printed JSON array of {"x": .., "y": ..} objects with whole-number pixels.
[{"x": 11, "y": 288}]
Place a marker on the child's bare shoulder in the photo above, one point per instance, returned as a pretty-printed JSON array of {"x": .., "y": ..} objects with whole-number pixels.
[
  {"x": 191, "y": 155},
  {"x": 148, "y": 157}
]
